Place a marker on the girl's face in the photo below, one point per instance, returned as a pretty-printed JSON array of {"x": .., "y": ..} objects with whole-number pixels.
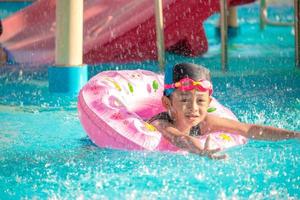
[{"x": 189, "y": 108}]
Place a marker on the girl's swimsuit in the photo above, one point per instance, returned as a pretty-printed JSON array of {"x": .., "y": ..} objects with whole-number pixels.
[{"x": 195, "y": 130}]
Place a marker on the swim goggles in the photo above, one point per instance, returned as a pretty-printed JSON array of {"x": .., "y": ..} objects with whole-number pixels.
[{"x": 187, "y": 84}]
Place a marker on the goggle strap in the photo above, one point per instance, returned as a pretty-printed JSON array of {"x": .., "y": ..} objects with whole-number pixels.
[
  {"x": 201, "y": 83},
  {"x": 169, "y": 86}
]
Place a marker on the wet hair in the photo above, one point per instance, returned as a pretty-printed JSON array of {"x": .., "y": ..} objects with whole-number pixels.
[{"x": 189, "y": 70}]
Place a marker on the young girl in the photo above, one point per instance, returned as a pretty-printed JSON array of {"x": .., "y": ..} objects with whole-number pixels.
[{"x": 187, "y": 95}]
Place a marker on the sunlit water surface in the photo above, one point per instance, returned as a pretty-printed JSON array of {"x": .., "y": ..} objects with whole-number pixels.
[{"x": 45, "y": 153}]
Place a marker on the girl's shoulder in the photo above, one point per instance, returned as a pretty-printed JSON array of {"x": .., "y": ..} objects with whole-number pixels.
[{"x": 216, "y": 123}]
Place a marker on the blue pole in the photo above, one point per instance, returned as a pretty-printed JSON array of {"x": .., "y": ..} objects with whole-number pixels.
[{"x": 68, "y": 79}]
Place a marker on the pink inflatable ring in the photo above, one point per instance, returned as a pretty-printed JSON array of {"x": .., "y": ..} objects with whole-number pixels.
[{"x": 114, "y": 106}]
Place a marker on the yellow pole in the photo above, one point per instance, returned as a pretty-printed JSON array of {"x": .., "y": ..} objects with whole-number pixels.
[
  {"x": 160, "y": 33},
  {"x": 69, "y": 73},
  {"x": 69, "y": 32},
  {"x": 232, "y": 17}
]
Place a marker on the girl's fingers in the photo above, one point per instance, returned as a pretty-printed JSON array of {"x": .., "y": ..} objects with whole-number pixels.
[
  {"x": 213, "y": 151},
  {"x": 207, "y": 143},
  {"x": 218, "y": 157}
]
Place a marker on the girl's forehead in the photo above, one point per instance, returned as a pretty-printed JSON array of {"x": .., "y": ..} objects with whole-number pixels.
[{"x": 190, "y": 93}]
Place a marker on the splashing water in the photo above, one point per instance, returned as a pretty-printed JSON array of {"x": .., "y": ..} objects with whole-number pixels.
[{"x": 45, "y": 153}]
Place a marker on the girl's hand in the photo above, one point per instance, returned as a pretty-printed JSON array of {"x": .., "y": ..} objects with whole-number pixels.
[{"x": 211, "y": 153}]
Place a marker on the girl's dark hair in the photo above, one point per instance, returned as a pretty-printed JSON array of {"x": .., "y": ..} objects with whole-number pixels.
[{"x": 190, "y": 70}]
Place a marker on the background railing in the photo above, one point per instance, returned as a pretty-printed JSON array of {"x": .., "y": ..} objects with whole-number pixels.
[{"x": 263, "y": 21}]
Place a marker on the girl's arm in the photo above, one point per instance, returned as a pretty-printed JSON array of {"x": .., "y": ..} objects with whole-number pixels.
[
  {"x": 186, "y": 142},
  {"x": 253, "y": 131}
]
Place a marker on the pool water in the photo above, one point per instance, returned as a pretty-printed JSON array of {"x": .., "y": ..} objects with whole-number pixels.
[
  {"x": 8, "y": 8},
  {"x": 45, "y": 153}
]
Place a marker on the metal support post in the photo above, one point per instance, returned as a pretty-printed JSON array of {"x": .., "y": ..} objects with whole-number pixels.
[
  {"x": 223, "y": 17},
  {"x": 297, "y": 32},
  {"x": 160, "y": 33}
]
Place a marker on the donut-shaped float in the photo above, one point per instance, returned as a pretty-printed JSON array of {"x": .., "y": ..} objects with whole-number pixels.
[{"x": 114, "y": 107}]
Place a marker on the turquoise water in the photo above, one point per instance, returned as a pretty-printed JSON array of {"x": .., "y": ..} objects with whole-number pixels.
[
  {"x": 8, "y": 8},
  {"x": 45, "y": 153}
]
